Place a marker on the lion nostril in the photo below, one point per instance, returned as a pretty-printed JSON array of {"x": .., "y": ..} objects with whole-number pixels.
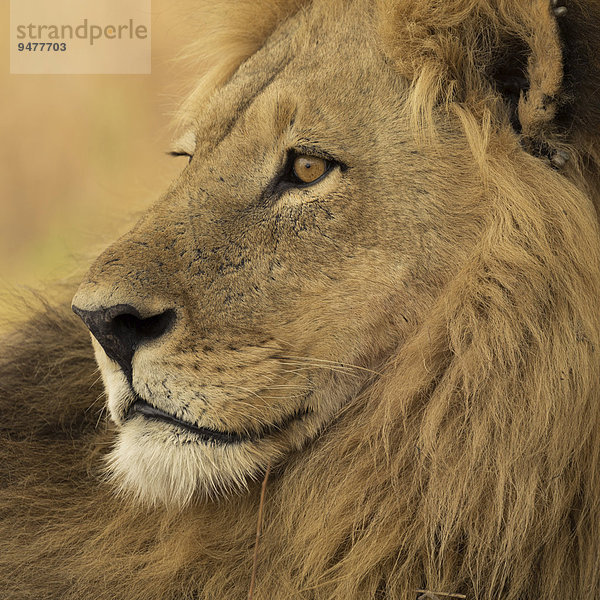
[
  {"x": 120, "y": 330},
  {"x": 148, "y": 328}
]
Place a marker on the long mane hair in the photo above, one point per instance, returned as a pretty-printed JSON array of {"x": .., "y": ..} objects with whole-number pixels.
[{"x": 470, "y": 465}]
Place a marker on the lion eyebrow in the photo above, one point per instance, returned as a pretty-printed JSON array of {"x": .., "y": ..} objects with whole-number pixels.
[{"x": 184, "y": 144}]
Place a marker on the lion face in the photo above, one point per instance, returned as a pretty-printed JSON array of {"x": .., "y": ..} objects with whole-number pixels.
[{"x": 263, "y": 291}]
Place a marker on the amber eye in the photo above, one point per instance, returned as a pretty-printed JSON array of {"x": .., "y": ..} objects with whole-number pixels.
[{"x": 309, "y": 168}]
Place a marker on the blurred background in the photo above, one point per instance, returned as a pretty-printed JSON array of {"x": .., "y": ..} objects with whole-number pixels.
[{"x": 82, "y": 154}]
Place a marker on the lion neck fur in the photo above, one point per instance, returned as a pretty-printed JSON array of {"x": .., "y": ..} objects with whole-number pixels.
[{"x": 473, "y": 458}]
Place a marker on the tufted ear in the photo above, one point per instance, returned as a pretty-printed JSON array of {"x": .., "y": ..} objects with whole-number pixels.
[
  {"x": 541, "y": 58},
  {"x": 528, "y": 71},
  {"x": 549, "y": 76}
]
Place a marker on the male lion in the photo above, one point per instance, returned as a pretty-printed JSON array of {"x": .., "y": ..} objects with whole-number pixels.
[{"x": 378, "y": 277}]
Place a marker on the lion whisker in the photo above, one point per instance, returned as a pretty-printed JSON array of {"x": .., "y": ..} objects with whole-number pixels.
[
  {"x": 100, "y": 396},
  {"x": 101, "y": 413},
  {"x": 327, "y": 367},
  {"x": 332, "y": 362}
]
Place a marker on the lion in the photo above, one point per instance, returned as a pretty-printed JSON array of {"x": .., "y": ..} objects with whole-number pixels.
[{"x": 369, "y": 299}]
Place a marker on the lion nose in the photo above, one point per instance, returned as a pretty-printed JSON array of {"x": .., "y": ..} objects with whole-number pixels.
[{"x": 120, "y": 330}]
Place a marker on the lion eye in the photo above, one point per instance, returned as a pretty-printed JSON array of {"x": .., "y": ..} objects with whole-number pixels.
[
  {"x": 306, "y": 169},
  {"x": 177, "y": 153},
  {"x": 309, "y": 168}
]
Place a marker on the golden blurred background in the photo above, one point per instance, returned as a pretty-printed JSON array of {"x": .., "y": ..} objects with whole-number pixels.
[{"x": 81, "y": 154}]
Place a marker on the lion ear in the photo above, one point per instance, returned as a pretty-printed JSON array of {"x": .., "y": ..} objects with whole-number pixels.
[
  {"x": 549, "y": 74},
  {"x": 529, "y": 74},
  {"x": 541, "y": 57}
]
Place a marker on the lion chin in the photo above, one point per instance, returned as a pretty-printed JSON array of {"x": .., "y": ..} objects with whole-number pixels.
[{"x": 158, "y": 467}]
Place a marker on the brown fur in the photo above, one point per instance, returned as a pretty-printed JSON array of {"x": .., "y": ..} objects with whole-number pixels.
[{"x": 466, "y": 458}]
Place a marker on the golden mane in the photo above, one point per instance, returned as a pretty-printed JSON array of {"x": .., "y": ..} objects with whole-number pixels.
[{"x": 471, "y": 464}]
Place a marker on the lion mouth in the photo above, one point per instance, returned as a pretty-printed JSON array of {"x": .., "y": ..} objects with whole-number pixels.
[{"x": 146, "y": 410}]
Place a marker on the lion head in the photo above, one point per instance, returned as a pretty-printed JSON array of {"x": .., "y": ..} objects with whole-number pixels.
[
  {"x": 378, "y": 273},
  {"x": 271, "y": 282},
  {"x": 313, "y": 235},
  {"x": 307, "y": 240}
]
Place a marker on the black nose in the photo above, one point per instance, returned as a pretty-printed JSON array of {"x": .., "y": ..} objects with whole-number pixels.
[{"x": 120, "y": 330}]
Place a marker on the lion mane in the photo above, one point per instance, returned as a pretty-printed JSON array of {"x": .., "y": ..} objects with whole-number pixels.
[{"x": 470, "y": 462}]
